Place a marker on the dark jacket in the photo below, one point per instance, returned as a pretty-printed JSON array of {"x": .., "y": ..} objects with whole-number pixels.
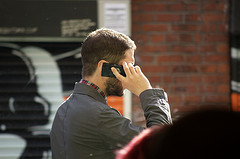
[{"x": 86, "y": 127}]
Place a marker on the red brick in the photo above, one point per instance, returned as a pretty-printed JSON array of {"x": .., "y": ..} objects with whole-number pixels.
[
  {"x": 224, "y": 88},
  {"x": 184, "y": 48},
  {"x": 215, "y": 58},
  {"x": 193, "y": 7},
  {"x": 154, "y": 27},
  {"x": 223, "y": 68},
  {"x": 157, "y": 38},
  {"x": 154, "y": 48},
  {"x": 208, "y": 68},
  {"x": 153, "y": 1},
  {"x": 158, "y": 84},
  {"x": 176, "y": 7},
  {"x": 155, "y": 79},
  {"x": 194, "y": 58},
  {"x": 223, "y": 48},
  {"x": 169, "y": 17},
  {"x": 208, "y": 28},
  {"x": 172, "y": 37},
  {"x": 197, "y": 38},
  {"x": 209, "y": 6},
  {"x": 184, "y": 89},
  {"x": 167, "y": 79},
  {"x": 140, "y": 38},
  {"x": 223, "y": 99},
  {"x": 223, "y": 28},
  {"x": 154, "y": 68},
  {"x": 222, "y": 6},
  {"x": 175, "y": 99},
  {"x": 184, "y": 27},
  {"x": 183, "y": 7},
  {"x": 142, "y": 17},
  {"x": 187, "y": 41},
  {"x": 207, "y": 48},
  {"x": 215, "y": 79},
  {"x": 191, "y": 99},
  {"x": 135, "y": 7},
  {"x": 154, "y": 7},
  {"x": 180, "y": 79},
  {"x": 214, "y": 17},
  {"x": 216, "y": 38},
  {"x": 193, "y": 78},
  {"x": 136, "y": 27},
  {"x": 170, "y": 58},
  {"x": 193, "y": 17},
  {"x": 139, "y": 0},
  {"x": 146, "y": 58},
  {"x": 186, "y": 37},
  {"x": 207, "y": 88},
  {"x": 184, "y": 68}
]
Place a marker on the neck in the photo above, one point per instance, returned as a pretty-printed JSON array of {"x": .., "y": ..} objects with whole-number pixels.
[{"x": 99, "y": 81}]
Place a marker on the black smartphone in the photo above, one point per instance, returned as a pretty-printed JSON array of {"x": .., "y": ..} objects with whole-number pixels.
[{"x": 107, "y": 72}]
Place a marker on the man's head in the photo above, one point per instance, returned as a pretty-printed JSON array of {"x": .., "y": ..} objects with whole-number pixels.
[{"x": 106, "y": 45}]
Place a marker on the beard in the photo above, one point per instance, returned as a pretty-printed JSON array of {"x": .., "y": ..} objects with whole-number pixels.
[{"x": 113, "y": 87}]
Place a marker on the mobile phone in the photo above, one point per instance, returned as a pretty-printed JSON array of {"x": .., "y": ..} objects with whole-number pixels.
[{"x": 107, "y": 72}]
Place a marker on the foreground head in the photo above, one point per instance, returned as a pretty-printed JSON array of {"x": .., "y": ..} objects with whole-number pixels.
[
  {"x": 106, "y": 45},
  {"x": 205, "y": 134}
]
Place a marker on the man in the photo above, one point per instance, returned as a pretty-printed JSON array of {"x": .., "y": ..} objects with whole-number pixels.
[{"x": 85, "y": 126}]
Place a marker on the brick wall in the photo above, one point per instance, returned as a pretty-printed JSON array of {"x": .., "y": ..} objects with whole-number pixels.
[{"x": 183, "y": 47}]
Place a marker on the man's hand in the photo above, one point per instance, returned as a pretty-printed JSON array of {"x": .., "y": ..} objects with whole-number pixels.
[{"x": 135, "y": 81}]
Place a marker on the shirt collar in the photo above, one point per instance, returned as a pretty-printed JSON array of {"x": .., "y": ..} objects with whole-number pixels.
[{"x": 94, "y": 86}]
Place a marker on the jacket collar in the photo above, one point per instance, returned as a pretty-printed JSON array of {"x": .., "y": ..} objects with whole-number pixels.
[{"x": 81, "y": 88}]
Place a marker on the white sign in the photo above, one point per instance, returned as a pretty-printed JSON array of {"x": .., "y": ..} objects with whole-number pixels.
[{"x": 116, "y": 17}]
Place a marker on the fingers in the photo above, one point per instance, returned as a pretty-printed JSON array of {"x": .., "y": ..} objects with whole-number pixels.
[
  {"x": 126, "y": 69},
  {"x": 129, "y": 69},
  {"x": 135, "y": 81},
  {"x": 138, "y": 70},
  {"x": 132, "y": 69},
  {"x": 117, "y": 74}
]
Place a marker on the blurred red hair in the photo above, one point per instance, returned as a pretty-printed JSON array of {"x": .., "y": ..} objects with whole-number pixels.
[{"x": 142, "y": 145}]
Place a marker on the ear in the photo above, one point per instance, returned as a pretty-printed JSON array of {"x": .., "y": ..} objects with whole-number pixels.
[{"x": 100, "y": 64}]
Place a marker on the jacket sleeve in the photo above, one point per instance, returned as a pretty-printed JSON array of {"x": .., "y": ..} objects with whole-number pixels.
[
  {"x": 117, "y": 131},
  {"x": 155, "y": 106}
]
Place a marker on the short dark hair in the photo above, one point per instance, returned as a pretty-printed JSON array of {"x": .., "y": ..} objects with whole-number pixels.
[{"x": 104, "y": 44}]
